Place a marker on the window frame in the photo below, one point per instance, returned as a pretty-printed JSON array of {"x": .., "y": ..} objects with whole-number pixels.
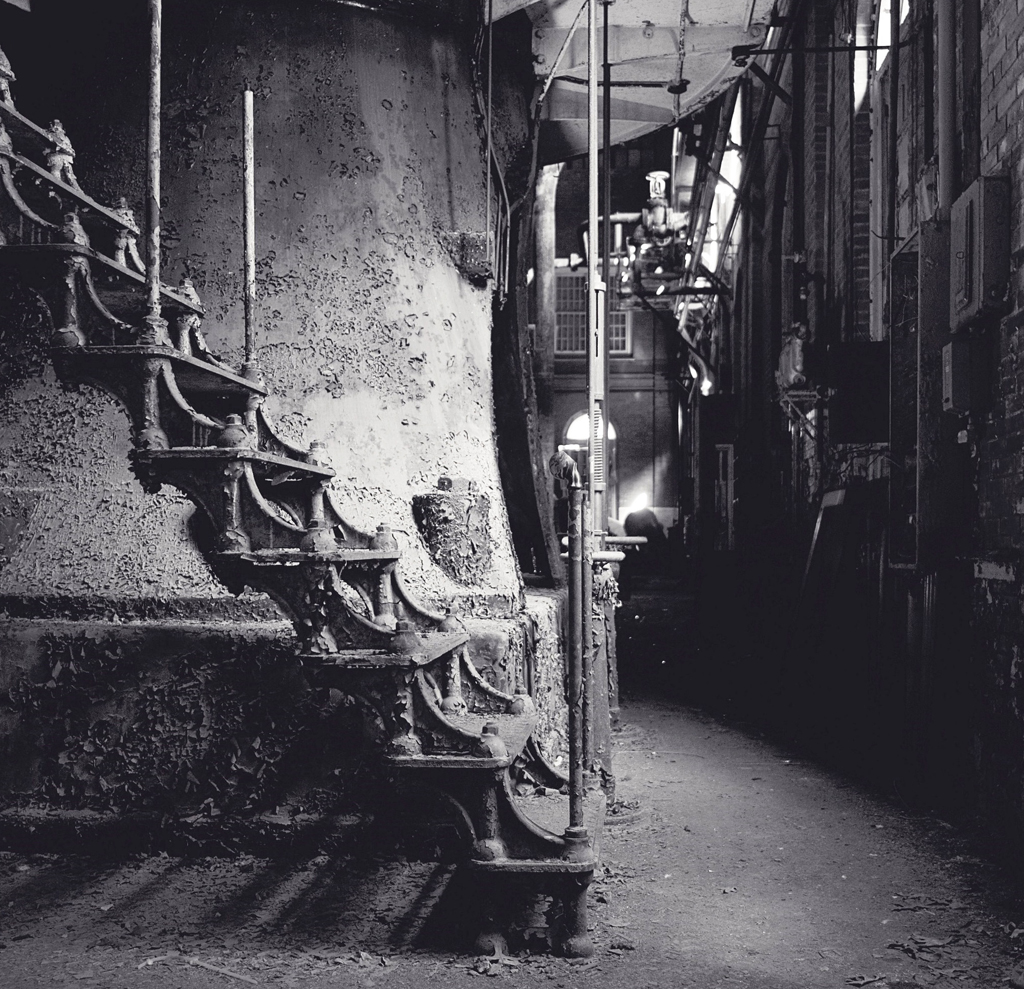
[{"x": 579, "y": 331}]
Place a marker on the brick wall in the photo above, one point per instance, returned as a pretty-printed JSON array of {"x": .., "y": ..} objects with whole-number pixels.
[
  {"x": 1001, "y": 462},
  {"x": 951, "y": 669},
  {"x": 998, "y": 593}
]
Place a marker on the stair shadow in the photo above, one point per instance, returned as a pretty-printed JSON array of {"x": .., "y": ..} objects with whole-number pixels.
[
  {"x": 48, "y": 884},
  {"x": 374, "y": 904},
  {"x": 381, "y": 889}
]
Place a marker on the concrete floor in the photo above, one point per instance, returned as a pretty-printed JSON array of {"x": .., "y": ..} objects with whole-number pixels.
[{"x": 744, "y": 865}]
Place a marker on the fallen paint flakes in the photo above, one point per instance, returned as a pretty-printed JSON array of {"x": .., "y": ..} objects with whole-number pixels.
[{"x": 919, "y": 946}]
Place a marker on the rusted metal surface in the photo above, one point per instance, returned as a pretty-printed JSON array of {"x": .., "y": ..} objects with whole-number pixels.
[
  {"x": 564, "y": 468},
  {"x": 587, "y": 635}
]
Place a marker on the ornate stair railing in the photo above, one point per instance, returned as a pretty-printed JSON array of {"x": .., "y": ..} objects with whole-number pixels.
[{"x": 199, "y": 426}]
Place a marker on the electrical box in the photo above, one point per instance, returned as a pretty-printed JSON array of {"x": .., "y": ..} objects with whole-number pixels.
[
  {"x": 979, "y": 251},
  {"x": 964, "y": 374}
]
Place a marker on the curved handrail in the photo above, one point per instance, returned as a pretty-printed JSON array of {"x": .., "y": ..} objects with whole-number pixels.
[
  {"x": 435, "y": 689},
  {"x": 555, "y": 842},
  {"x": 363, "y": 593},
  {"x": 360, "y": 592},
  {"x": 435, "y": 709},
  {"x": 370, "y": 626},
  {"x": 83, "y": 198},
  {"x": 537, "y": 758},
  {"x": 335, "y": 517},
  {"x": 362, "y": 538}
]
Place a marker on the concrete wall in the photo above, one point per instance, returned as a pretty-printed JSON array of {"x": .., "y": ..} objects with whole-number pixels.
[
  {"x": 187, "y": 717},
  {"x": 369, "y": 159}
]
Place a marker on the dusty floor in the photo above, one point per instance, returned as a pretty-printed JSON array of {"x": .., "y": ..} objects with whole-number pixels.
[{"x": 745, "y": 866}]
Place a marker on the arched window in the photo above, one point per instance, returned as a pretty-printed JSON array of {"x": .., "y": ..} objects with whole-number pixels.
[
  {"x": 576, "y": 442},
  {"x": 578, "y": 430}
]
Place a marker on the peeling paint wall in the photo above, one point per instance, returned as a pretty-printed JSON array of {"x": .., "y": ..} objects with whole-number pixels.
[
  {"x": 368, "y": 153},
  {"x": 173, "y": 717},
  {"x": 546, "y": 608},
  {"x": 369, "y": 158},
  {"x": 370, "y": 338},
  {"x": 79, "y": 523}
]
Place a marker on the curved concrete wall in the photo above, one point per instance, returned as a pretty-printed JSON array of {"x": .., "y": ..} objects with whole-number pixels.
[{"x": 369, "y": 158}]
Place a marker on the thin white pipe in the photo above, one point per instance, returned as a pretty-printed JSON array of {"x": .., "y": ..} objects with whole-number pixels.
[
  {"x": 595, "y": 285},
  {"x": 490, "y": 90},
  {"x": 249, "y": 218},
  {"x": 153, "y": 162}
]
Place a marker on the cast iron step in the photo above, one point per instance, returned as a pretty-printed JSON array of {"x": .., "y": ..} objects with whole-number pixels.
[
  {"x": 431, "y": 646},
  {"x": 513, "y": 729},
  {"x": 553, "y": 820},
  {"x": 198, "y": 457},
  {"x": 192, "y": 375}
]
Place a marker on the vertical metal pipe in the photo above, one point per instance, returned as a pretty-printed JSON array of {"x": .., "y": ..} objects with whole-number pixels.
[
  {"x": 592, "y": 186},
  {"x": 490, "y": 85},
  {"x": 851, "y": 95},
  {"x": 249, "y": 218},
  {"x": 600, "y": 522},
  {"x": 946, "y": 79},
  {"x": 587, "y": 599},
  {"x": 595, "y": 286},
  {"x": 153, "y": 162},
  {"x": 564, "y": 468},
  {"x": 797, "y": 145},
  {"x": 576, "y": 652}
]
